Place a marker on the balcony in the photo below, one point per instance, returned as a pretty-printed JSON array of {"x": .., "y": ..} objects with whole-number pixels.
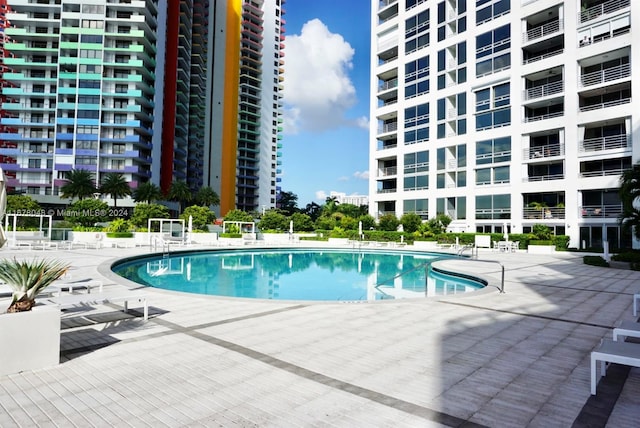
[
  {"x": 610, "y": 142},
  {"x": 543, "y": 116},
  {"x": 386, "y": 172},
  {"x": 606, "y": 75},
  {"x": 387, "y": 85},
  {"x": 545, "y": 151},
  {"x": 606, "y": 99},
  {"x": 600, "y": 211},
  {"x": 602, "y": 9},
  {"x": 544, "y": 90},
  {"x": 543, "y": 30},
  {"x": 388, "y": 127},
  {"x": 547, "y": 177},
  {"x": 543, "y": 213}
]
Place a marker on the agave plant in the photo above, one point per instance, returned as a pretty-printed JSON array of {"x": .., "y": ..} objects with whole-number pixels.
[{"x": 28, "y": 278}]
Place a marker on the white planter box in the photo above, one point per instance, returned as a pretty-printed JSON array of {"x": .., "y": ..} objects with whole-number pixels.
[
  {"x": 29, "y": 340},
  {"x": 426, "y": 245},
  {"x": 338, "y": 241},
  {"x": 541, "y": 249}
]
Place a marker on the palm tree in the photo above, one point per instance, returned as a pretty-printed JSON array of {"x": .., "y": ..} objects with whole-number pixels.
[
  {"x": 206, "y": 197},
  {"x": 180, "y": 192},
  {"x": 79, "y": 184},
  {"x": 147, "y": 192},
  {"x": 28, "y": 278},
  {"x": 629, "y": 193},
  {"x": 114, "y": 184}
]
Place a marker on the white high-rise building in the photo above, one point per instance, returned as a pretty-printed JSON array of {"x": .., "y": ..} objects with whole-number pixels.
[{"x": 505, "y": 113}]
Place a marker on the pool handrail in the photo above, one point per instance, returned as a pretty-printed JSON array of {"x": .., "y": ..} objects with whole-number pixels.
[{"x": 428, "y": 266}]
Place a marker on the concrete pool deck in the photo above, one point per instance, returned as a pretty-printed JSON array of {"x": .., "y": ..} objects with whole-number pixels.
[{"x": 484, "y": 359}]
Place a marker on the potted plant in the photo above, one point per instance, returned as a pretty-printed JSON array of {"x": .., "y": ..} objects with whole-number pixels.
[
  {"x": 27, "y": 279},
  {"x": 29, "y": 333}
]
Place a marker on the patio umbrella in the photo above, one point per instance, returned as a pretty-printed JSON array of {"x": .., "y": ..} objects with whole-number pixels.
[
  {"x": 291, "y": 226},
  {"x": 189, "y": 228},
  {"x": 360, "y": 229},
  {"x": 3, "y": 207},
  {"x": 506, "y": 231}
]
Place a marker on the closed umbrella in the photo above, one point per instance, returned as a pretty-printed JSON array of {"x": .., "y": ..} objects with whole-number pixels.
[
  {"x": 506, "y": 231},
  {"x": 3, "y": 207}
]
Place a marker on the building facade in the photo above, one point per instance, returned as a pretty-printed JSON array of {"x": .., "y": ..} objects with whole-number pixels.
[
  {"x": 157, "y": 90},
  {"x": 504, "y": 114},
  {"x": 246, "y": 104}
]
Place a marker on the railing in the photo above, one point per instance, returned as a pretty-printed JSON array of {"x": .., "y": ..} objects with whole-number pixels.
[
  {"x": 385, "y": 3},
  {"x": 605, "y": 143},
  {"x": 548, "y": 177},
  {"x": 540, "y": 152},
  {"x": 599, "y": 106},
  {"x": 606, "y": 75},
  {"x": 603, "y": 172},
  {"x": 394, "y": 190},
  {"x": 387, "y": 146},
  {"x": 528, "y": 119},
  {"x": 544, "y": 90},
  {"x": 388, "y": 127},
  {"x": 390, "y": 84},
  {"x": 543, "y": 213},
  {"x": 601, "y": 9},
  {"x": 543, "y": 56},
  {"x": 429, "y": 268},
  {"x": 600, "y": 211},
  {"x": 543, "y": 30},
  {"x": 384, "y": 172}
]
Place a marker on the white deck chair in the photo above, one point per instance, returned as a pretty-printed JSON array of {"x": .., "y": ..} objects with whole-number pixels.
[{"x": 67, "y": 301}]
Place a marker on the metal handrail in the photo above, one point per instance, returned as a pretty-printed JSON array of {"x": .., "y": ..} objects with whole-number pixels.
[{"x": 428, "y": 267}]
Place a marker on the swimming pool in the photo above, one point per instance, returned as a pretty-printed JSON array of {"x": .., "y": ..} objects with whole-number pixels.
[{"x": 296, "y": 274}]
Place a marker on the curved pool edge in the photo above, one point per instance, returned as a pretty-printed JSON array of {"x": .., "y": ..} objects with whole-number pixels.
[{"x": 106, "y": 267}]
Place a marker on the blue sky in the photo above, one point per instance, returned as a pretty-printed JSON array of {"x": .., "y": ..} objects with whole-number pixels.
[{"x": 326, "y": 98}]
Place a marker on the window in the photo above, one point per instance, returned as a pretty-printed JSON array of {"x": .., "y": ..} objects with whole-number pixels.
[
  {"x": 416, "y": 182},
  {"x": 454, "y": 207},
  {"x": 416, "y": 162},
  {"x": 497, "y": 175},
  {"x": 416, "y": 115},
  {"x": 493, "y": 207},
  {"x": 86, "y": 160},
  {"x": 416, "y": 70},
  {"x": 118, "y": 149},
  {"x": 493, "y": 109},
  {"x": 34, "y": 163},
  {"x": 418, "y": 206},
  {"x": 487, "y": 10},
  {"x": 493, "y": 151},
  {"x": 493, "y": 51}
]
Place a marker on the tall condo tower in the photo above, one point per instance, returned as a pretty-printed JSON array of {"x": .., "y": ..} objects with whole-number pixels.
[
  {"x": 246, "y": 106},
  {"x": 505, "y": 114}
]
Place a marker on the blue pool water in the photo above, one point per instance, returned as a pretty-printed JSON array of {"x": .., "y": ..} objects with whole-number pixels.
[{"x": 296, "y": 274}]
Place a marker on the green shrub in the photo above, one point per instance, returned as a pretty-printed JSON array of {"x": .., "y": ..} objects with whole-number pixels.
[
  {"x": 595, "y": 261},
  {"x": 119, "y": 234}
]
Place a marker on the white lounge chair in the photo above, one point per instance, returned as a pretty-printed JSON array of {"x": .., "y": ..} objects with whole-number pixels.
[
  {"x": 636, "y": 297},
  {"x": 627, "y": 329},
  {"x": 611, "y": 351},
  {"x": 67, "y": 301}
]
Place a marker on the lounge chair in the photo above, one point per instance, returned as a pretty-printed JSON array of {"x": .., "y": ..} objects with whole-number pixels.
[
  {"x": 627, "y": 329},
  {"x": 67, "y": 301},
  {"x": 611, "y": 351},
  {"x": 636, "y": 297}
]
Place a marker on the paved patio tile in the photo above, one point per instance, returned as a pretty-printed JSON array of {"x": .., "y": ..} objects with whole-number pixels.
[{"x": 514, "y": 359}]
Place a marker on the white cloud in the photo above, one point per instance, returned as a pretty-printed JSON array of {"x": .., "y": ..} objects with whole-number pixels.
[
  {"x": 321, "y": 195},
  {"x": 317, "y": 88},
  {"x": 362, "y": 175}
]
